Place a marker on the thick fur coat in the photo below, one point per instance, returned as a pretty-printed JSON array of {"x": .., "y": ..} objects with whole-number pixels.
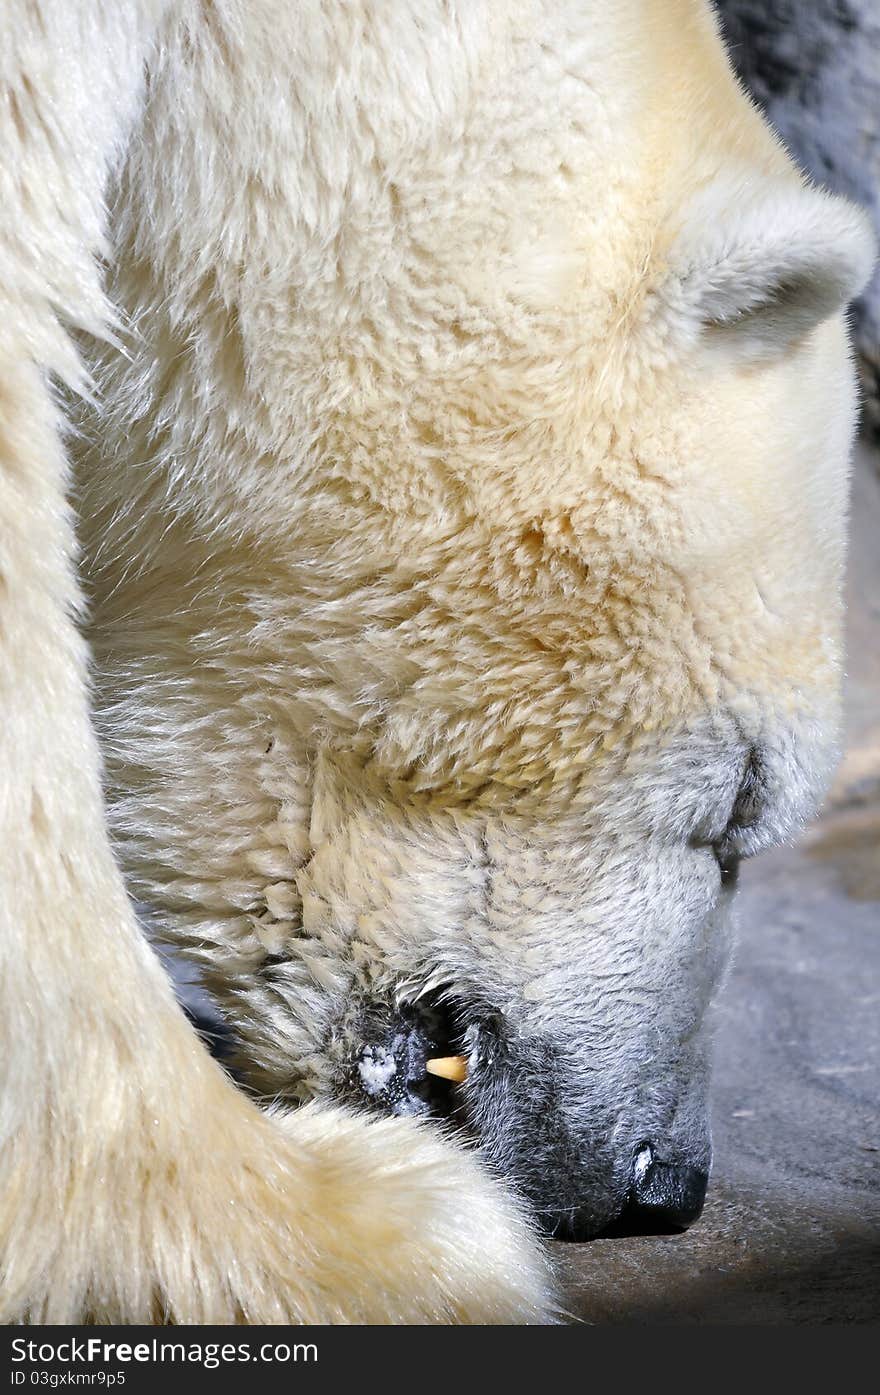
[{"x": 459, "y": 402}]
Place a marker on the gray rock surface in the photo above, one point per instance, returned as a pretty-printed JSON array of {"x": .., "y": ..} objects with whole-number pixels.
[{"x": 814, "y": 68}]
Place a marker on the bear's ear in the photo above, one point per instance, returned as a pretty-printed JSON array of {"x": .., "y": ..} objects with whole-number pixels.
[{"x": 753, "y": 269}]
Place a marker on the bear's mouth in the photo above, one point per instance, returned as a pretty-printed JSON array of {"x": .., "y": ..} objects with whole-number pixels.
[{"x": 390, "y": 1067}]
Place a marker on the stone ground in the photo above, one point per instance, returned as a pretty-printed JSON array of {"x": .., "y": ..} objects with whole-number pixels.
[{"x": 791, "y": 1229}]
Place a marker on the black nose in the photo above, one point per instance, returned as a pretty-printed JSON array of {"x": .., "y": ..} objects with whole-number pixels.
[{"x": 663, "y": 1198}]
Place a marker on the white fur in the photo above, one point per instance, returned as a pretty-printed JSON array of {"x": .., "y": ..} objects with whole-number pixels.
[{"x": 441, "y": 580}]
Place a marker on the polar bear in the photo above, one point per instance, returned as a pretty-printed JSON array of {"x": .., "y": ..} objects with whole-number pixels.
[{"x": 460, "y": 404}]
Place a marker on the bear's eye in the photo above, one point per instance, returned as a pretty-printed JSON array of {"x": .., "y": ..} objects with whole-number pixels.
[
  {"x": 728, "y": 864},
  {"x": 747, "y": 806},
  {"x": 745, "y": 814}
]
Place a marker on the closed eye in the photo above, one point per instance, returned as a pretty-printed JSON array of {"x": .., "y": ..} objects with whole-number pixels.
[
  {"x": 728, "y": 863},
  {"x": 746, "y": 813}
]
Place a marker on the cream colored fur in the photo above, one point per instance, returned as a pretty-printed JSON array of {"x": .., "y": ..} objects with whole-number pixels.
[{"x": 452, "y": 472}]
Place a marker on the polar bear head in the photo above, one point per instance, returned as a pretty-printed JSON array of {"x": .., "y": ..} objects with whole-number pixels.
[{"x": 509, "y": 620}]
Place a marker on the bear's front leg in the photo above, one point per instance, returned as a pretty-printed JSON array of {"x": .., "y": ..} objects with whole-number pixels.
[
  {"x": 143, "y": 1186},
  {"x": 136, "y": 1182}
]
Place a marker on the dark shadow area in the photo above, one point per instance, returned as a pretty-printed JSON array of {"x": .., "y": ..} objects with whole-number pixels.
[{"x": 835, "y": 1285}]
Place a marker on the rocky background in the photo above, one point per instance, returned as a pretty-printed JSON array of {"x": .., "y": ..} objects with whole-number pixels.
[{"x": 814, "y": 68}]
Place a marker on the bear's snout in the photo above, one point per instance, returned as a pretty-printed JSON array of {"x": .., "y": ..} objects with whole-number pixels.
[{"x": 532, "y": 1113}]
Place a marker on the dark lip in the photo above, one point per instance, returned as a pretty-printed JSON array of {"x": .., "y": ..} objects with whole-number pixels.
[{"x": 388, "y": 1069}]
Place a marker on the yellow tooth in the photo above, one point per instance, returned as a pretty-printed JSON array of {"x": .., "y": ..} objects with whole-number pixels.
[{"x": 449, "y": 1067}]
